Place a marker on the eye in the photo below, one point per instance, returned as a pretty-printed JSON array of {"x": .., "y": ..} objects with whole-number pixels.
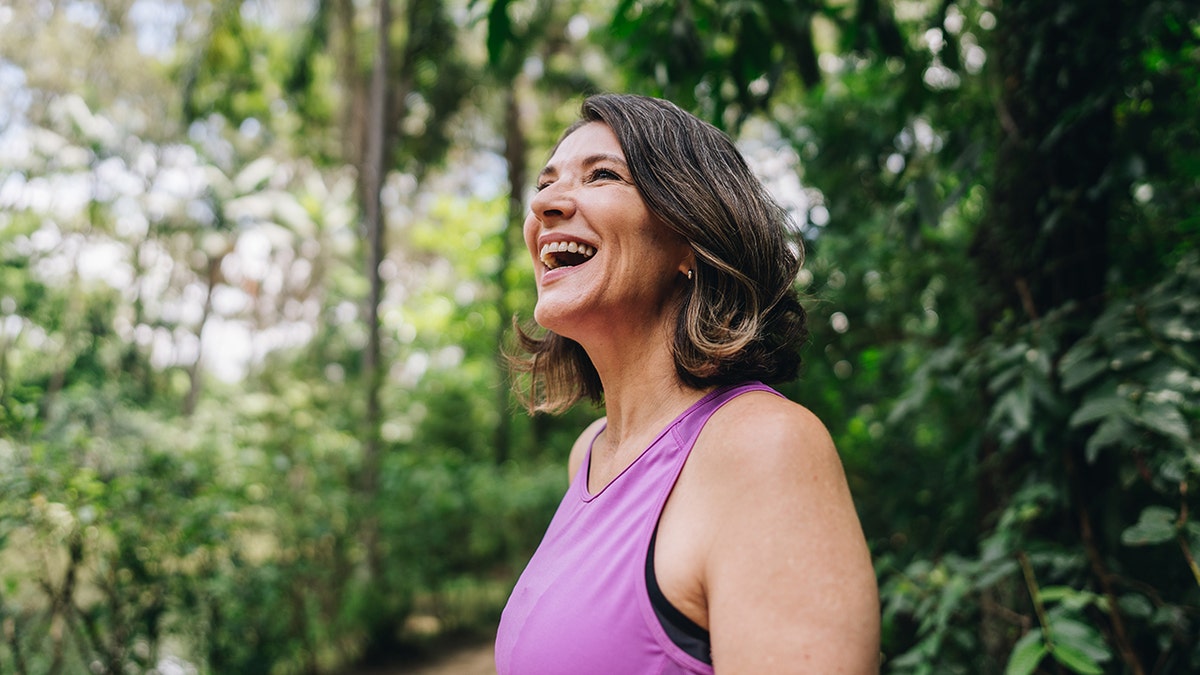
[{"x": 604, "y": 174}]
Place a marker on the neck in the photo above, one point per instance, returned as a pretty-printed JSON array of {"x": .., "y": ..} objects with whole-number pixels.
[{"x": 642, "y": 391}]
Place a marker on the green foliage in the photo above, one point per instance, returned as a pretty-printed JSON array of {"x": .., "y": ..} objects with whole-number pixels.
[
  {"x": 237, "y": 535},
  {"x": 151, "y": 513},
  {"x": 1001, "y": 302},
  {"x": 694, "y": 52},
  {"x": 1116, "y": 416},
  {"x": 230, "y": 76},
  {"x": 1023, "y": 448}
]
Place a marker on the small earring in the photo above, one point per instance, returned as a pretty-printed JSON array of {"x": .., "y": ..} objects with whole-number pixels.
[{"x": 690, "y": 274}]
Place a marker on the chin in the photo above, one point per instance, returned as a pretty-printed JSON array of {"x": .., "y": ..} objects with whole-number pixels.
[
  {"x": 557, "y": 318},
  {"x": 550, "y": 319}
]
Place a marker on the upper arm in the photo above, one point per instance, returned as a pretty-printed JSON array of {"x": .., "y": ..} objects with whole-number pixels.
[
  {"x": 788, "y": 578},
  {"x": 580, "y": 448}
]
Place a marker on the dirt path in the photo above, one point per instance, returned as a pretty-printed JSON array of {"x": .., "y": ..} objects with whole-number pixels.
[
  {"x": 477, "y": 660},
  {"x": 467, "y": 660}
]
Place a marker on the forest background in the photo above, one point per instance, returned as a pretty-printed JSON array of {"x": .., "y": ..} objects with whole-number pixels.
[{"x": 259, "y": 257}]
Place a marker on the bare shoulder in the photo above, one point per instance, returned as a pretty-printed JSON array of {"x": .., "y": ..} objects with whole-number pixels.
[
  {"x": 761, "y": 455},
  {"x": 787, "y": 574},
  {"x": 581, "y": 445},
  {"x": 770, "y": 442},
  {"x": 773, "y": 428}
]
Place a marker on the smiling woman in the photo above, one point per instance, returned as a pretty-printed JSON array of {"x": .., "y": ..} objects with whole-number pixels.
[{"x": 708, "y": 526}]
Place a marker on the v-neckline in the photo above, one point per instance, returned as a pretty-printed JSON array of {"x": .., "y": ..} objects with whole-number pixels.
[{"x": 586, "y": 493}]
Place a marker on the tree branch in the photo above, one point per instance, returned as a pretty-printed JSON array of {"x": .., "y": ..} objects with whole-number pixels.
[{"x": 1100, "y": 571}]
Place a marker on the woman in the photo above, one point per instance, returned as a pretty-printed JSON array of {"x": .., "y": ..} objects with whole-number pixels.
[{"x": 708, "y": 525}]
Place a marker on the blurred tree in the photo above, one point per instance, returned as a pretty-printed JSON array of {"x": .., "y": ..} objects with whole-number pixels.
[
  {"x": 398, "y": 101},
  {"x": 526, "y": 63}
]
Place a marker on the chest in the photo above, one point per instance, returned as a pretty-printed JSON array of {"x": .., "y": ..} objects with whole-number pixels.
[{"x": 582, "y": 599}]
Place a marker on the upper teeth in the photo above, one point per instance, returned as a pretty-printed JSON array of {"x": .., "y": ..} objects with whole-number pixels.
[{"x": 564, "y": 247}]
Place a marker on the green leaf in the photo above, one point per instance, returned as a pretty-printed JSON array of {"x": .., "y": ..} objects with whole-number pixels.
[
  {"x": 1165, "y": 419},
  {"x": 1175, "y": 328},
  {"x": 1111, "y": 431},
  {"x": 1056, "y": 593},
  {"x": 1026, "y": 654},
  {"x": 1018, "y": 404},
  {"x": 1078, "y": 365},
  {"x": 1155, "y": 525},
  {"x": 1100, "y": 408},
  {"x": 1070, "y": 599},
  {"x": 1076, "y": 660},
  {"x": 1079, "y": 636},
  {"x": 1136, "y": 606},
  {"x": 993, "y": 573},
  {"x": 499, "y": 30}
]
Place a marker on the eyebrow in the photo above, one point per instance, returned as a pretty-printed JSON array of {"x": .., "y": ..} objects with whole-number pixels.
[{"x": 590, "y": 160}]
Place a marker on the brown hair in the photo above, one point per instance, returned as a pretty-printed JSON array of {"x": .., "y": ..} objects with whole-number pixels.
[{"x": 740, "y": 317}]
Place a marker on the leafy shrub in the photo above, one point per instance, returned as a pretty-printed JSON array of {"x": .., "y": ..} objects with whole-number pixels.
[{"x": 1094, "y": 585}]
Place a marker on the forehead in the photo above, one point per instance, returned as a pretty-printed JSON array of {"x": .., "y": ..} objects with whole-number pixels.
[{"x": 588, "y": 141}]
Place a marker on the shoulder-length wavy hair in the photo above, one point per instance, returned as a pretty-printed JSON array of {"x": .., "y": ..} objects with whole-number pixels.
[{"x": 739, "y": 317}]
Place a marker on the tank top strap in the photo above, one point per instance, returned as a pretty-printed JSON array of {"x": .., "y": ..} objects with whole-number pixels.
[
  {"x": 665, "y": 456},
  {"x": 688, "y": 429}
]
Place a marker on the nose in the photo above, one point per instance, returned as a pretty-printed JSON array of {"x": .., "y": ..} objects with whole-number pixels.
[{"x": 555, "y": 201}]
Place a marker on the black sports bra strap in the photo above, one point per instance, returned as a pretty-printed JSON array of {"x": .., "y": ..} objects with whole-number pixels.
[{"x": 685, "y": 633}]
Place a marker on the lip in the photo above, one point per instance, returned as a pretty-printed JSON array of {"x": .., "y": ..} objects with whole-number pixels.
[
  {"x": 547, "y": 276},
  {"x": 556, "y": 237},
  {"x": 550, "y": 276}
]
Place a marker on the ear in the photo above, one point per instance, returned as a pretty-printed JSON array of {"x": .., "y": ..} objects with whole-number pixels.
[{"x": 688, "y": 264}]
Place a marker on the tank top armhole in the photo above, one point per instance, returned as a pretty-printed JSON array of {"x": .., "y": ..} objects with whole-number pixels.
[{"x": 683, "y": 632}]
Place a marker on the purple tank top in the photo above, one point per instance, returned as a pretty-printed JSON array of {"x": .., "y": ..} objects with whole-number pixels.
[{"x": 581, "y": 607}]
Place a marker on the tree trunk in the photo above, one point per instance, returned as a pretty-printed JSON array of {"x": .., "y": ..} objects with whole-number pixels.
[
  {"x": 194, "y": 371},
  {"x": 373, "y": 170},
  {"x": 1044, "y": 243},
  {"x": 72, "y": 327},
  {"x": 515, "y": 156},
  {"x": 354, "y": 114}
]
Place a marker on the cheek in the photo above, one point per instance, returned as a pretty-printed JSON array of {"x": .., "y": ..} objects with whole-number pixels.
[
  {"x": 530, "y": 232},
  {"x": 665, "y": 244}
]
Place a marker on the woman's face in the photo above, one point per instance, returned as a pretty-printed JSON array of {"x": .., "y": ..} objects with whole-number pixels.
[{"x": 601, "y": 259}]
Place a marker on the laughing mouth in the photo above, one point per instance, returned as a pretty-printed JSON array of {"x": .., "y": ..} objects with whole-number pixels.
[{"x": 565, "y": 254}]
